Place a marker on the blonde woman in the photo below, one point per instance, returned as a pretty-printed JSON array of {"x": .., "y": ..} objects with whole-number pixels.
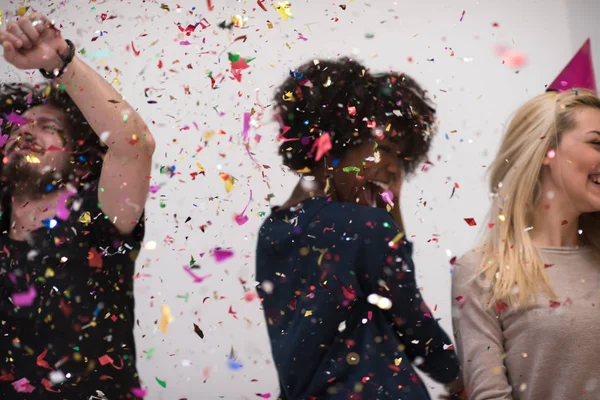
[{"x": 527, "y": 301}]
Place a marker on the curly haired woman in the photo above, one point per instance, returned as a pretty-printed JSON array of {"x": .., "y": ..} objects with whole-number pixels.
[{"x": 344, "y": 313}]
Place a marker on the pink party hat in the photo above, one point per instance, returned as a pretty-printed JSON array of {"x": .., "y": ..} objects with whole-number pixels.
[{"x": 579, "y": 73}]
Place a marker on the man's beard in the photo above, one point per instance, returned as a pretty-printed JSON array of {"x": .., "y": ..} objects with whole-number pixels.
[{"x": 30, "y": 180}]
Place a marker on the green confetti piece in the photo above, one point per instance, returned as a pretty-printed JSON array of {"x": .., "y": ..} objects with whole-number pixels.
[
  {"x": 161, "y": 383},
  {"x": 352, "y": 169},
  {"x": 234, "y": 57},
  {"x": 261, "y": 213},
  {"x": 186, "y": 297},
  {"x": 162, "y": 205},
  {"x": 149, "y": 353}
]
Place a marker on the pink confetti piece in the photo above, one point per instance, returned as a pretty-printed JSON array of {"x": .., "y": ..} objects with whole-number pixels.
[
  {"x": 139, "y": 392},
  {"x": 25, "y": 299},
  {"x": 322, "y": 144},
  {"x": 462, "y": 15},
  {"x": 388, "y": 197},
  {"x": 512, "y": 58},
  {"x": 250, "y": 296},
  {"x": 222, "y": 255},
  {"x": 197, "y": 279},
  {"x": 154, "y": 188},
  {"x": 23, "y": 386},
  {"x": 264, "y": 395},
  {"x": 62, "y": 212},
  {"x": 246, "y": 125},
  {"x": 185, "y": 43},
  {"x": 15, "y": 118}
]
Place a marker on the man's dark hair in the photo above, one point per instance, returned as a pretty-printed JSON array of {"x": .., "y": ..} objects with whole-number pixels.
[
  {"x": 343, "y": 99},
  {"x": 88, "y": 153}
]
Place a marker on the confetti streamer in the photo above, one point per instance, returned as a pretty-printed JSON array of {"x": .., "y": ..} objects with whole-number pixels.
[
  {"x": 197, "y": 279},
  {"x": 241, "y": 218},
  {"x": 246, "y": 127}
]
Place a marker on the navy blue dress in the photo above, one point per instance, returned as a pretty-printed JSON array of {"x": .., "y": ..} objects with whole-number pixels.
[{"x": 327, "y": 273}]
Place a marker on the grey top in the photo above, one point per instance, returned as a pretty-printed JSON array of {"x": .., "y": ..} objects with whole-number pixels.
[{"x": 546, "y": 351}]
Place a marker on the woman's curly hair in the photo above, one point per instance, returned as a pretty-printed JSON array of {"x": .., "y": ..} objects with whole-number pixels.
[
  {"x": 19, "y": 97},
  {"x": 343, "y": 99}
]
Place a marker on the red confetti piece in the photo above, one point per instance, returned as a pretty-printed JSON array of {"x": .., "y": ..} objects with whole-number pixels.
[
  {"x": 491, "y": 225},
  {"x": 48, "y": 385},
  {"x": 495, "y": 25},
  {"x": 470, "y": 221},
  {"x": 261, "y": 5},
  {"x": 95, "y": 258},
  {"x": 554, "y": 304},
  {"x": 232, "y": 312},
  {"x": 137, "y": 53},
  {"x": 43, "y": 363},
  {"x": 501, "y": 306},
  {"x": 210, "y": 5},
  {"x": 548, "y": 265},
  {"x": 160, "y": 64}
]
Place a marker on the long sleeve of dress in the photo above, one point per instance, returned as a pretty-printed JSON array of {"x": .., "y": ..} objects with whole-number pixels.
[
  {"x": 479, "y": 336},
  {"x": 391, "y": 275}
]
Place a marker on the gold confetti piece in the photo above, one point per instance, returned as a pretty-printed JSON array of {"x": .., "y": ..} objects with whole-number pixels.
[
  {"x": 308, "y": 313},
  {"x": 166, "y": 318},
  {"x": 398, "y": 361},
  {"x": 200, "y": 167},
  {"x": 288, "y": 96},
  {"x": 269, "y": 24},
  {"x": 21, "y": 11},
  {"x": 284, "y": 9},
  {"x": 85, "y": 218},
  {"x": 208, "y": 135},
  {"x": 1, "y": 20},
  {"x": 229, "y": 182},
  {"x": 32, "y": 159}
]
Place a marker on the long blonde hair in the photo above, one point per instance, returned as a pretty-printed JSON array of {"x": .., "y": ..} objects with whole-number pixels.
[{"x": 511, "y": 265}]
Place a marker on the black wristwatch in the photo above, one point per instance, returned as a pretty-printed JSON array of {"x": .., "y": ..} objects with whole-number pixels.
[{"x": 66, "y": 61}]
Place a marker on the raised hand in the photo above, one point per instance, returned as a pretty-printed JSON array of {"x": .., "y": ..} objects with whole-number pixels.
[{"x": 33, "y": 42}]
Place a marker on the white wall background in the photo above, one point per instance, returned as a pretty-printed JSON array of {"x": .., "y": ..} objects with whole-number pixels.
[{"x": 456, "y": 60}]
